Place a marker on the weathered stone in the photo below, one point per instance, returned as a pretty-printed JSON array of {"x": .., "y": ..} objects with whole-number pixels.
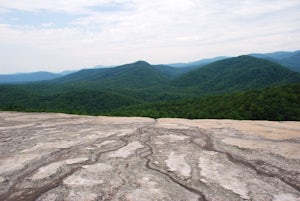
[{"x": 71, "y": 157}]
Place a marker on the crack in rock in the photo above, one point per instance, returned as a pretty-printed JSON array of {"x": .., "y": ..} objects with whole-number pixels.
[{"x": 70, "y": 157}]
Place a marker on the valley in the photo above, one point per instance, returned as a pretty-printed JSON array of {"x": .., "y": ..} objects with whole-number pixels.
[{"x": 242, "y": 87}]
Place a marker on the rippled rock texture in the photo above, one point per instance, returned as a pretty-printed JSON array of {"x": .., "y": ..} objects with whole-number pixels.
[{"x": 68, "y": 157}]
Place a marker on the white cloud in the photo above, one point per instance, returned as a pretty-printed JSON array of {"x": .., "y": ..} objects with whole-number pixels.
[
  {"x": 158, "y": 31},
  {"x": 70, "y": 6}
]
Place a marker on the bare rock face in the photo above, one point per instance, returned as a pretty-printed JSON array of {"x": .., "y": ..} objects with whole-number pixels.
[{"x": 68, "y": 157}]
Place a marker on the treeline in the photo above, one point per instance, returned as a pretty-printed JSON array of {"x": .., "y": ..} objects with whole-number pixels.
[
  {"x": 89, "y": 102},
  {"x": 275, "y": 103}
]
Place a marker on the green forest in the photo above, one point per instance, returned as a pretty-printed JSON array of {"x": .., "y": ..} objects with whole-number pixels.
[
  {"x": 276, "y": 103},
  {"x": 236, "y": 88}
]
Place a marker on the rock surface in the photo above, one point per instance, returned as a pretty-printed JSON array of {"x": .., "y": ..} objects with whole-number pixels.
[{"x": 68, "y": 157}]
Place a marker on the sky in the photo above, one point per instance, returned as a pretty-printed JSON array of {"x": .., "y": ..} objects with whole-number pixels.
[{"x": 58, "y": 35}]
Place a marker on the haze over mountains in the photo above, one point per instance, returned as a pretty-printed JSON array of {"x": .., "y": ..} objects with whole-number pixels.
[
  {"x": 143, "y": 89},
  {"x": 290, "y": 60},
  {"x": 27, "y": 77}
]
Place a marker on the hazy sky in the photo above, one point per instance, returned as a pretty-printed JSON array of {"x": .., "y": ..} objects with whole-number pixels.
[{"x": 57, "y": 35}]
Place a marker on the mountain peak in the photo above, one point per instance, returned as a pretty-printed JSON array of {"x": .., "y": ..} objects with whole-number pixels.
[
  {"x": 141, "y": 62},
  {"x": 242, "y": 72},
  {"x": 243, "y": 57}
]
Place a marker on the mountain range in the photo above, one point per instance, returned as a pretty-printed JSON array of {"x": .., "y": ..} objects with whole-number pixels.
[
  {"x": 290, "y": 60},
  {"x": 238, "y": 73},
  {"x": 27, "y": 77},
  {"x": 127, "y": 89}
]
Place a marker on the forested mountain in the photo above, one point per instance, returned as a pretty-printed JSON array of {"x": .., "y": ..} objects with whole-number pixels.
[
  {"x": 238, "y": 73},
  {"x": 273, "y": 55},
  {"x": 228, "y": 75},
  {"x": 290, "y": 60},
  {"x": 127, "y": 89},
  {"x": 136, "y": 75},
  {"x": 27, "y": 77}
]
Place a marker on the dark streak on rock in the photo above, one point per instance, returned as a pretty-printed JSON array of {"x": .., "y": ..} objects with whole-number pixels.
[
  {"x": 149, "y": 152},
  {"x": 28, "y": 194},
  {"x": 257, "y": 166}
]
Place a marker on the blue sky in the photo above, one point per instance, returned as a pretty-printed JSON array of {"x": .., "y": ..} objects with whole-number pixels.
[{"x": 55, "y": 35}]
